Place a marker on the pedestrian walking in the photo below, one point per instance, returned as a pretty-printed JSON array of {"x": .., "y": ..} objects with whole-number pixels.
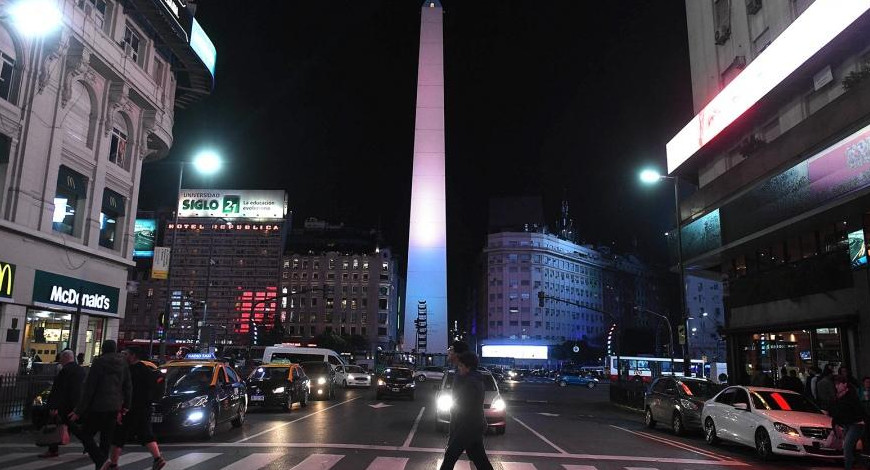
[
  {"x": 456, "y": 348},
  {"x": 826, "y": 392},
  {"x": 81, "y": 359},
  {"x": 65, "y": 393},
  {"x": 808, "y": 385},
  {"x": 136, "y": 424},
  {"x": 792, "y": 382},
  {"x": 846, "y": 413},
  {"x": 105, "y": 398},
  {"x": 467, "y": 421}
]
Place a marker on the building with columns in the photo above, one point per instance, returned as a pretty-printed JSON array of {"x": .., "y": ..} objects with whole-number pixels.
[{"x": 81, "y": 110}]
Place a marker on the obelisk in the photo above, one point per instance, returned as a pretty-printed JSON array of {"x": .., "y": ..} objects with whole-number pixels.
[{"x": 426, "y": 289}]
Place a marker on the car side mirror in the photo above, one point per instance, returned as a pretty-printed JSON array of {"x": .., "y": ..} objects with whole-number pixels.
[{"x": 741, "y": 406}]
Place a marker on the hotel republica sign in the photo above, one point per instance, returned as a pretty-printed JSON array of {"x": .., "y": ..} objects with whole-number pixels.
[
  {"x": 68, "y": 293},
  {"x": 231, "y": 204},
  {"x": 7, "y": 280}
]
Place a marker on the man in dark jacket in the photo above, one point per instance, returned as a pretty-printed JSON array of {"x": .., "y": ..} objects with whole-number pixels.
[
  {"x": 65, "y": 393},
  {"x": 846, "y": 413},
  {"x": 467, "y": 422},
  {"x": 790, "y": 381},
  {"x": 106, "y": 397}
]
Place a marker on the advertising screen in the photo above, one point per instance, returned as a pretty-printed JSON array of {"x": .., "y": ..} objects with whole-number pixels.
[
  {"x": 202, "y": 45},
  {"x": 144, "y": 235},
  {"x": 514, "y": 351},
  {"x": 857, "y": 249},
  {"x": 231, "y": 203}
]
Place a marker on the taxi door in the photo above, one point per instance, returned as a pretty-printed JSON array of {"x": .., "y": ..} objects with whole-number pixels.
[{"x": 224, "y": 392}]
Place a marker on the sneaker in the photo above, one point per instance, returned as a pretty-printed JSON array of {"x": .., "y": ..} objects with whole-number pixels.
[
  {"x": 47, "y": 455},
  {"x": 158, "y": 464}
]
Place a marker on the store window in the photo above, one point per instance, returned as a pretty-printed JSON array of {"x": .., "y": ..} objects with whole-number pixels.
[
  {"x": 767, "y": 356},
  {"x": 110, "y": 219},
  {"x": 94, "y": 337},
  {"x": 45, "y": 335},
  {"x": 69, "y": 202}
]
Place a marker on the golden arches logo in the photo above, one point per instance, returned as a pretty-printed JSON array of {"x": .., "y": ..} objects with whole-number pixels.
[{"x": 7, "y": 274}]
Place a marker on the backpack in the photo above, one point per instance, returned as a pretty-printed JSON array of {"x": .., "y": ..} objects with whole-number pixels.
[{"x": 157, "y": 388}]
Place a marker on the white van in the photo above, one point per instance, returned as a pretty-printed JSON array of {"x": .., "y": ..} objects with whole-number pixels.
[{"x": 297, "y": 354}]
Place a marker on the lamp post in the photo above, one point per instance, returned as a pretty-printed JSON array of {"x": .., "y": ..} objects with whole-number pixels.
[
  {"x": 206, "y": 162},
  {"x": 650, "y": 176},
  {"x": 35, "y": 18}
]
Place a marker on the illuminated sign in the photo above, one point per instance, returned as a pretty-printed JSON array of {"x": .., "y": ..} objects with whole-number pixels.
[
  {"x": 817, "y": 26},
  {"x": 144, "y": 234},
  {"x": 203, "y": 47},
  {"x": 228, "y": 227},
  {"x": 7, "y": 280},
  {"x": 69, "y": 293},
  {"x": 514, "y": 351},
  {"x": 231, "y": 204},
  {"x": 857, "y": 249}
]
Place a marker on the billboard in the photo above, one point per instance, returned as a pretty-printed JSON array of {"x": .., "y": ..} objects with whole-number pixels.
[
  {"x": 144, "y": 235},
  {"x": 160, "y": 266},
  {"x": 514, "y": 351},
  {"x": 203, "y": 47},
  {"x": 857, "y": 249},
  {"x": 232, "y": 203}
]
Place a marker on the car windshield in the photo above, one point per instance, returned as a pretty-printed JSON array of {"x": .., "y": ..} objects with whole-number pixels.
[
  {"x": 488, "y": 382},
  {"x": 353, "y": 369},
  {"x": 397, "y": 373},
  {"x": 783, "y": 401},
  {"x": 188, "y": 379},
  {"x": 270, "y": 373},
  {"x": 295, "y": 357},
  {"x": 316, "y": 368},
  {"x": 698, "y": 388}
]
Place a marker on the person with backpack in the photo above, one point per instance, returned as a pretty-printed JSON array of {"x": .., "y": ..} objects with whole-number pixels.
[{"x": 149, "y": 385}]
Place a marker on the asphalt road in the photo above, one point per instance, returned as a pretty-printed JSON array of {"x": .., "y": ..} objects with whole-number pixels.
[{"x": 549, "y": 427}]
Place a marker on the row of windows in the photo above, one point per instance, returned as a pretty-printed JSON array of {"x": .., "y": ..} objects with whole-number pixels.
[
  {"x": 70, "y": 205},
  {"x": 295, "y": 263},
  {"x": 329, "y": 276}
]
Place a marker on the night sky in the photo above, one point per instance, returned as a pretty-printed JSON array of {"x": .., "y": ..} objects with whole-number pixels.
[{"x": 318, "y": 98}]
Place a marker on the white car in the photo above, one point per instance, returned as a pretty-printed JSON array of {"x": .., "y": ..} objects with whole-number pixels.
[
  {"x": 493, "y": 405},
  {"x": 352, "y": 376},
  {"x": 772, "y": 421},
  {"x": 429, "y": 373}
]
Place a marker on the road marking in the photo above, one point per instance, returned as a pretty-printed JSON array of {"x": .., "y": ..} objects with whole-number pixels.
[
  {"x": 189, "y": 460},
  {"x": 548, "y": 414},
  {"x": 379, "y": 405},
  {"x": 518, "y": 466},
  {"x": 36, "y": 464},
  {"x": 537, "y": 401},
  {"x": 558, "y": 449},
  {"x": 126, "y": 459},
  {"x": 388, "y": 463},
  {"x": 414, "y": 428},
  {"x": 640, "y": 468},
  {"x": 676, "y": 444},
  {"x": 318, "y": 462},
  {"x": 253, "y": 461},
  {"x": 460, "y": 464},
  {"x": 295, "y": 420},
  {"x": 579, "y": 467}
]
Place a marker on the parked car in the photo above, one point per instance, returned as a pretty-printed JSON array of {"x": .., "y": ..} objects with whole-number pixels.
[
  {"x": 429, "y": 373},
  {"x": 493, "y": 405},
  {"x": 677, "y": 401},
  {"x": 352, "y": 376},
  {"x": 773, "y": 421},
  {"x": 279, "y": 385},
  {"x": 576, "y": 379},
  {"x": 322, "y": 378},
  {"x": 396, "y": 382},
  {"x": 200, "y": 395}
]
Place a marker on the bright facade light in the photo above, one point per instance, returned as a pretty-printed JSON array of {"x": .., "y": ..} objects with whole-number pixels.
[
  {"x": 36, "y": 18},
  {"x": 650, "y": 176},
  {"x": 816, "y": 27},
  {"x": 514, "y": 351},
  {"x": 207, "y": 162}
]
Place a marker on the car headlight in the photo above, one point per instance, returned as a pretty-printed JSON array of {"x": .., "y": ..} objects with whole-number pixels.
[
  {"x": 512, "y": 374},
  {"x": 381, "y": 383},
  {"x": 410, "y": 385},
  {"x": 689, "y": 404},
  {"x": 194, "y": 402},
  {"x": 445, "y": 402},
  {"x": 278, "y": 390},
  {"x": 195, "y": 417},
  {"x": 786, "y": 429},
  {"x": 321, "y": 381},
  {"x": 498, "y": 405}
]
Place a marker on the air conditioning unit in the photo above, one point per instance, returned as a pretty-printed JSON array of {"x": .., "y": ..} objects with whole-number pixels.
[
  {"x": 722, "y": 35},
  {"x": 753, "y": 6}
]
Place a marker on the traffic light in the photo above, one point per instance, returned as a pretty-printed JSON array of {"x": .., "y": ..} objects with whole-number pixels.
[{"x": 541, "y": 297}]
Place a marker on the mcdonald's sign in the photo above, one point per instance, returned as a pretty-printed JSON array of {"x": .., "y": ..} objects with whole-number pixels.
[{"x": 7, "y": 280}]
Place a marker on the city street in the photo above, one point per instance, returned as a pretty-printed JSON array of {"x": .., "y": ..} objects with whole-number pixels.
[{"x": 570, "y": 428}]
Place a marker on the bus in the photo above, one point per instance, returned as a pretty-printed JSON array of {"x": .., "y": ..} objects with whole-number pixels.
[{"x": 647, "y": 368}]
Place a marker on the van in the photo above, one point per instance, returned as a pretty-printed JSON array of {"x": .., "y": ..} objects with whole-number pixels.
[{"x": 297, "y": 354}]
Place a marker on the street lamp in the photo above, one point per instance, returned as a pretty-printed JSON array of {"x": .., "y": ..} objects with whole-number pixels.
[
  {"x": 35, "y": 18},
  {"x": 652, "y": 176},
  {"x": 207, "y": 162}
]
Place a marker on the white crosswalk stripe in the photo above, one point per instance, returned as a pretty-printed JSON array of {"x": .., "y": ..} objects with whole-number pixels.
[
  {"x": 388, "y": 463},
  {"x": 460, "y": 464},
  {"x": 253, "y": 462},
  {"x": 518, "y": 466},
  {"x": 37, "y": 463},
  {"x": 579, "y": 467},
  {"x": 126, "y": 459},
  {"x": 189, "y": 460},
  {"x": 318, "y": 462}
]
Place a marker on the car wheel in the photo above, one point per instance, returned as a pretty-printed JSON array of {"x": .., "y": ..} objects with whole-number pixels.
[
  {"x": 590, "y": 385},
  {"x": 287, "y": 406},
  {"x": 710, "y": 432},
  {"x": 239, "y": 420},
  {"x": 763, "y": 446},
  {"x": 210, "y": 425},
  {"x": 648, "y": 419},
  {"x": 677, "y": 425},
  {"x": 344, "y": 384},
  {"x": 421, "y": 378},
  {"x": 304, "y": 402},
  {"x": 562, "y": 383}
]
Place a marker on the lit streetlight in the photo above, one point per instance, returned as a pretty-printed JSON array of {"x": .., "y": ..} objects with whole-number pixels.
[
  {"x": 650, "y": 176},
  {"x": 35, "y": 18},
  {"x": 207, "y": 162}
]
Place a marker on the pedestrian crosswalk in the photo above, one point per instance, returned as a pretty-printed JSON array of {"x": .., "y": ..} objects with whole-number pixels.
[{"x": 226, "y": 459}]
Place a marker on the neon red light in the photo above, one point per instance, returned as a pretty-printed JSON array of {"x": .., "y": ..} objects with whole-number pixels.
[
  {"x": 686, "y": 389},
  {"x": 780, "y": 401}
]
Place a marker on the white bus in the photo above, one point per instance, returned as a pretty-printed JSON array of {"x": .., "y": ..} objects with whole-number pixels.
[{"x": 646, "y": 368}]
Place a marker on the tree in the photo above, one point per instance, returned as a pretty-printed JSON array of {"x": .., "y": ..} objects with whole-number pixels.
[{"x": 330, "y": 340}]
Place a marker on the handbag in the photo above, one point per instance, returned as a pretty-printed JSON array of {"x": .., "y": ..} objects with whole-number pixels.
[
  {"x": 53, "y": 435},
  {"x": 835, "y": 438}
]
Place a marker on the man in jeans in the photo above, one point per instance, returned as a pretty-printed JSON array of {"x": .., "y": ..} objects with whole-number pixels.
[
  {"x": 107, "y": 396},
  {"x": 65, "y": 392},
  {"x": 137, "y": 421}
]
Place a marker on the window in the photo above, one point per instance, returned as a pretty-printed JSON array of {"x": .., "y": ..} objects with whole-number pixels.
[
  {"x": 157, "y": 73},
  {"x": 382, "y": 304},
  {"x": 110, "y": 218},
  {"x": 118, "y": 146},
  {"x": 7, "y": 77},
  {"x": 69, "y": 202},
  {"x": 132, "y": 43},
  {"x": 96, "y": 9},
  {"x": 5, "y": 143}
]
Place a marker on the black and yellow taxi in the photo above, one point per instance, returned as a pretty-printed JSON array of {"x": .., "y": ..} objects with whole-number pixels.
[
  {"x": 201, "y": 393},
  {"x": 280, "y": 384}
]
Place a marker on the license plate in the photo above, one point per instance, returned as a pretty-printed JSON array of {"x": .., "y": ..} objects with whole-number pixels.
[
  {"x": 395, "y": 389},
  {"x": 360, "y": 379},
  {"x": 156, "y": 418},
  {"x": 257, "y": 398}
]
